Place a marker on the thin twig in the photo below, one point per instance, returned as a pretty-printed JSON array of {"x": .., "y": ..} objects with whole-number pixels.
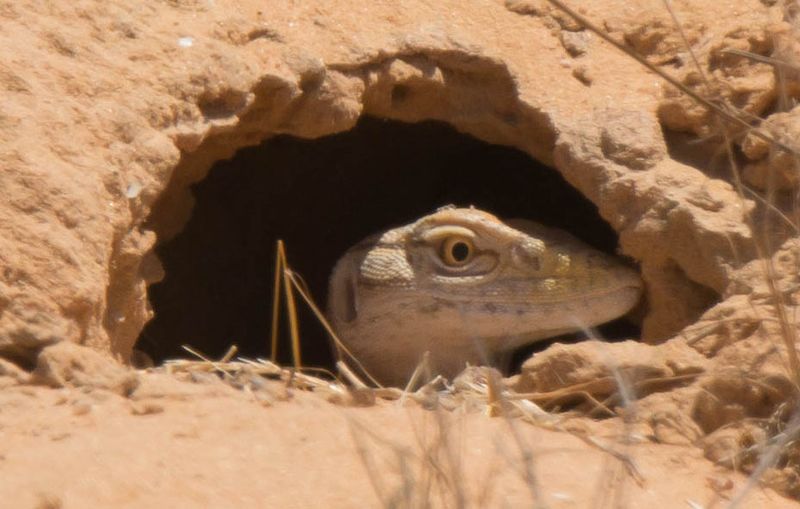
[{"x": 326, "y": 325}]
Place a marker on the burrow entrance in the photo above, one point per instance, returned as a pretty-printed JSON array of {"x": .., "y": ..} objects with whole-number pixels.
[{"x": 322, "y": 196}]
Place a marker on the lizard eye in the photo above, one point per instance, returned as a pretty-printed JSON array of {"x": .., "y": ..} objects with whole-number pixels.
[{"x": 457, "y": 251}]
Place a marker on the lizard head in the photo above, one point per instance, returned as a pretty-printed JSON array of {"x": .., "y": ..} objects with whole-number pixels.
[{"x": 465, "y": 286}]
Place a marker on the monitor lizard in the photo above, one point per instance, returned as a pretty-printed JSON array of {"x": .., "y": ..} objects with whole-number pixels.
[{"x": 469, "y": 288}]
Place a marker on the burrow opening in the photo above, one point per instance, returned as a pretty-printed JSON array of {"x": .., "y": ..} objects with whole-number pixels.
[{"x": 322, "y": 196}]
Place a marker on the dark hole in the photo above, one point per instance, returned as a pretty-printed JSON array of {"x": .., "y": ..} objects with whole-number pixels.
[{"x": 321, "y": 197}]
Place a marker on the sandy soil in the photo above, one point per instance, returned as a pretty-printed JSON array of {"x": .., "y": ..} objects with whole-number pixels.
[
  {"x": 205, "y": 444},
  {"x": 110, "y": 111}
]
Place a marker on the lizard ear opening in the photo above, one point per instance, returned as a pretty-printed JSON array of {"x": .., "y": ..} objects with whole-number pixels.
[{"x": 344, "y": 307}]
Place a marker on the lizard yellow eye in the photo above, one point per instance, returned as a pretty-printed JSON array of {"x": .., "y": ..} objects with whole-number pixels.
[{"x": 457, "y": 251}]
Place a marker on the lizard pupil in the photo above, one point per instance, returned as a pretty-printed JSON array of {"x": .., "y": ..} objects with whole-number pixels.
[
  {"x": 456, "y": 251},
  {"x": 459, "y": 251}
]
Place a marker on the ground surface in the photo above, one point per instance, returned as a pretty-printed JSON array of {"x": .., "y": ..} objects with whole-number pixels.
[
  {"x": 182, "y": 444},
  {"x": 109, "y": 111}
]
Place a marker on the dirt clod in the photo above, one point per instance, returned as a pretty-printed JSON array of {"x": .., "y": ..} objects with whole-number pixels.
[{"x": 69, "y": 365}]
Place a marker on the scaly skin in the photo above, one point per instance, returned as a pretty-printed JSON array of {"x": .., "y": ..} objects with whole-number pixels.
[{"x": 468, "y": 288}]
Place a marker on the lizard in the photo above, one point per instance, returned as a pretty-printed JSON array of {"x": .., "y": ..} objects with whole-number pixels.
[{"x": 466, "y": 287}]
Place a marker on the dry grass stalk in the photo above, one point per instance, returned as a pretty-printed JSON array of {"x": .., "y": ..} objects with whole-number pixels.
[
  {"x": 740, "y": 119},
  {"x": 726, "y": 111},
  {"x": 292, "y": 282},
  {"x": 282, "y": 276}
]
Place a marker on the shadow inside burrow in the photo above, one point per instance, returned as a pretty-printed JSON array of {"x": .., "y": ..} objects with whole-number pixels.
[{"x": 321, "y": 197}]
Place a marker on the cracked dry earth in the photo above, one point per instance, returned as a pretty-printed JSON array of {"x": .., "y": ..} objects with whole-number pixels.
[{"x": 111, "y": 111}]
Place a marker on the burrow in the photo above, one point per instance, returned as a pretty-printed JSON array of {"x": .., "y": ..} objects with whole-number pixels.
[
  {"x": 320, "y": 197},
  {"x": 412, "y": 146}
]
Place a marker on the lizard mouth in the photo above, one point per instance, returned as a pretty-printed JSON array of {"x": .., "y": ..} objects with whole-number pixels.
[
  {"x": 531, "y": 294},
  {"x": 633, "y": 287}
]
